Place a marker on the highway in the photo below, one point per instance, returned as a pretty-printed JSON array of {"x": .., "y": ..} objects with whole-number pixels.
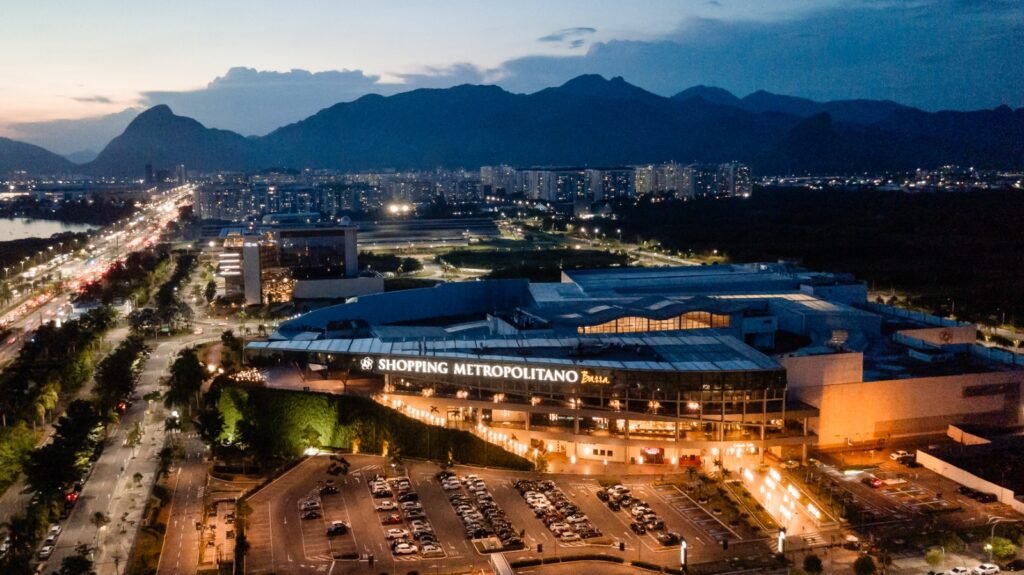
[{"x": 31, "y": 310}]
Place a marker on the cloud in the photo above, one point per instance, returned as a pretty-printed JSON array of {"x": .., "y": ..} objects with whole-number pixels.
[
  {"x": 93, "y": 99},
  {"x": 880, "y": 49},
  {"x": 255, "y": 102},
  {"x": 440, "y": 77},
  {"x": 569, "y": 37},
  {"x": 69, "y": 136},
  {"x": 865, "y": 50}
]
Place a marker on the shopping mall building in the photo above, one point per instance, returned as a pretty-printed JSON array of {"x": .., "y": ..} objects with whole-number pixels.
[{"x": 660, "y": 365}]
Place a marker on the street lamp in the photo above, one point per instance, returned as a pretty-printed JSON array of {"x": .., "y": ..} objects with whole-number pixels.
[
  {"x": 682, "y": 552},
  {"x": 992, "y": 535}
]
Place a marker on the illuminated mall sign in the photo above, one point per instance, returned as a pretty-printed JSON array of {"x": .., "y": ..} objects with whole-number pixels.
[{"x": 485, "y": 370}]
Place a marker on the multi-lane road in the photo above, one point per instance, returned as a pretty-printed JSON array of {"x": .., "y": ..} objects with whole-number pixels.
[{"x": 111, "y": 486}]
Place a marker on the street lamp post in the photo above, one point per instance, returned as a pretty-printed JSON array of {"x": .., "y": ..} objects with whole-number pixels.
[{"x": 992, "y": 535}]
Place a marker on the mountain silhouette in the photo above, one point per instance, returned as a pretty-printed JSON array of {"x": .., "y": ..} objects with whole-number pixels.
[
  {"x": 17, "y": 156},
  {"x": 589, "y": 120}
]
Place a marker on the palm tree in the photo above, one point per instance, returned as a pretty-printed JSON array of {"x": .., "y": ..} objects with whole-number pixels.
[
  {"x": 22, "y": 533},
  {"x": 5, "y": 293},
  {"x": 45, "y": 401}
]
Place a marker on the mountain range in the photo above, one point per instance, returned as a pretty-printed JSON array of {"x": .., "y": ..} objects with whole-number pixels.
[{"x": 589, "y": 120}]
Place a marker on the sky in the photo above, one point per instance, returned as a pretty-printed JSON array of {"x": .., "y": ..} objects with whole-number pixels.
[{"x": 73, "y": 74}]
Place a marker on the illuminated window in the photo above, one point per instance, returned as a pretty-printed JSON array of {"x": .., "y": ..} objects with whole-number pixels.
[{"x": 634, "y": 324}]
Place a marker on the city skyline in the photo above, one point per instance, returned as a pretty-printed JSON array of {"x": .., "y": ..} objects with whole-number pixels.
[{"x": 272, "y": 66}]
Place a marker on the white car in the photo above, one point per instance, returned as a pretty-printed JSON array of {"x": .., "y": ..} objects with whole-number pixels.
[
  {"x": 569, "y": 537},
  {"x": 898, "y": 455},
  {"x": 405, "y": 549},
  {"x": 985, "y": 569},
  {"x": 396, "y": 534},
  {"x": 387, "y": 506},
  {"x": 46, "y": 551},
  {"x": 55, "y": 530},
  {"x": 428, "y": 549}
]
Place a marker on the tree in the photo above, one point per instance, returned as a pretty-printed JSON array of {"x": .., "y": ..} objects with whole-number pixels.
[
  {"x": 952, "y": 543},
  {"x": 99, "y": 519},
  {"x": 812, "y": 564},
  {"x": 5, "y": 293},
  {"x": 79, "y": 563},
  {"x": 410, "y": 265},
  {"x": 864, "y": 565},
  {"x": 210, "y": 292},
  {"x": 23, "y": 534},
  {"x": 186, "y": 378},
  {"x": 934, "y": 557},
  {"x": 211, "y": 425}
]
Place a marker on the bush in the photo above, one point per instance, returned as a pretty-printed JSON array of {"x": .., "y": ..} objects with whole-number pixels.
[
  {"x": 1003, "y": 548},
  {"x": 934, "y": 557},
  {"x": 864, "y": 565}
]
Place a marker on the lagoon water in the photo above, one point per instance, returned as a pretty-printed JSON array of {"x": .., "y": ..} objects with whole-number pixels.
[{"x": 20, "y": 228}]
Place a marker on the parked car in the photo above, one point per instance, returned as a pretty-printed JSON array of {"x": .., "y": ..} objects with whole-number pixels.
[
  {"x": 404, "y": 549},
  {"x": 392, "y": 519},
  {"x": 1015, "y": 565},
  {"x": 898, "y": 455},
  {"x": 387, "y": 506},
  {"x": 668, "y": 538},
  {"x": 638, "y": 528},
  {"x": 791, "y": 464},
  {"x": 311, "y": 514},
  {"x": 396, "y": 534},
  {"x": 985, "y": 569},
  {"x": 872, "y": 482},
  {"x": 337, "y": 528},
  {"x": 45, "y": 551}
]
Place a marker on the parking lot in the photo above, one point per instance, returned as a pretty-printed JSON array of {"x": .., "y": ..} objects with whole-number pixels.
[
  {"x": 282, "y": 542},
  {"x": 277, "y": 546},
  {"x": 903, "y": 495}
]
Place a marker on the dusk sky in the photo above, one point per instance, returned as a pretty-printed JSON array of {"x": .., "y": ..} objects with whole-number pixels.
[{"x": 251, "y": 66}]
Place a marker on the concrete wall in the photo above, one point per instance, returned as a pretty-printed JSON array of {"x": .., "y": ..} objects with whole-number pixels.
[
  {"x": 960, "y": 436},
  {"x": 869, "y": 411},
  {"x": 963, "y": 477},
  {"x": 914, "y": 315},
  {"x": 807, "y": 375},
  {"x": 956, "y": 335},
  {"x": 848, "y": 293},
  {"x": 999, "y": 354},
  {"x": 337, "y": 288}
]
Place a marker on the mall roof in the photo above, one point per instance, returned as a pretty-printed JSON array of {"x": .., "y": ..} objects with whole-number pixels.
[
  {"x": 714, "y": 279},
  {"x": 698, "y": 350},
  {"x": 593, "y": 312}
]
